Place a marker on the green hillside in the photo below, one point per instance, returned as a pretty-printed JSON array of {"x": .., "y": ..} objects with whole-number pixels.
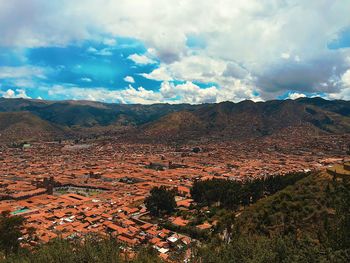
[
  {"x": 306, "y": 222},
  {"x": 247, "y": 119},
  {"x": 185, "y": 122},
  {"x": 301, "y": 206}
]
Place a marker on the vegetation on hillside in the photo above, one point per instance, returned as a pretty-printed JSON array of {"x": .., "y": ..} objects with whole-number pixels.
[
  {"x": 10, "y": 232},
  {"x": 261, "y": 249},
  {"x": 232, "y": 194},
  {"x": 308, "y": 221},
  {"x": 93, "y": 249},
  {"x": 183, "y": 122}
]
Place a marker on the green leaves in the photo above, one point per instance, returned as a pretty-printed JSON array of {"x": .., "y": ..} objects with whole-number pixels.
[
  {"x": 161, "y": 201},
  {"x": 231, "y": 194},
  {"x": 10, "y": 232}
]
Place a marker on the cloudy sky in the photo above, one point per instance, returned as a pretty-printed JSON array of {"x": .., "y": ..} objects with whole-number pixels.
[{"x": 191, "y": 51}]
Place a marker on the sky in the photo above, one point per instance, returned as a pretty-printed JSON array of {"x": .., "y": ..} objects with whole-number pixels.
[{"x": 167, "y": 51}]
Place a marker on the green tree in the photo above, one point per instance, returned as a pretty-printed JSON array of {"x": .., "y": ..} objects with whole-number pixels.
[
  {"x": 10, "y": 232},
  {"x": 160, "y": 201},
  {"x": 93, "y": 248},
  {"x": 147, "y": 255},
  {"x": 338, "y": 230}
]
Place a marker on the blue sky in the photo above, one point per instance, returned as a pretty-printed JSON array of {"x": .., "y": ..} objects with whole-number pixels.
[
  {"x": 157, "y": 51},
  {"x": 107, "y": 64}
]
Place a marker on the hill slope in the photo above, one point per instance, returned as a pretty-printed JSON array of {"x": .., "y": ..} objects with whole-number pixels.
[
  {"x": 89, "y": 113},
  {"x": 223, "y": 121},
  {"x": 24, "y": 126},
  {"x": 247, "y": 119},
  {"x": 302, "y": 206}
]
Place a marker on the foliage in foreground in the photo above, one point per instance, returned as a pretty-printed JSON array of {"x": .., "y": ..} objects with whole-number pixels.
[
  {"x": 260, "y": 249},
  {"x": 10, "y": 232},
  {"x": 93, "y": 250},
  {"x": 307, "y": 222}
]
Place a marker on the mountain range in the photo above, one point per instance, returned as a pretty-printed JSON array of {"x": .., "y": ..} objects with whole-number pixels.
[{"x": 24, "y": 119}]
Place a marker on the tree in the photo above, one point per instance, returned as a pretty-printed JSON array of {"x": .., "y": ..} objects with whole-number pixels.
[
  {"x": 257, "y": 190},
  {"x": 147, "y": 255},
  {"x": 338, "y": 230},
  {"x": 160, "y": 201},
  {"x": 231, "y": 194},
  {"x": 10, "y": 232},
  {"x": 31, "y": 233},
  {"x": 92, "y": 249}
]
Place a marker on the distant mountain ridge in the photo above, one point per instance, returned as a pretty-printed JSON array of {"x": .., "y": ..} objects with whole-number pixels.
[
  {"x": 226, "y": 120},
  {"x": 89, "y": 113},
  {"x": 247, "y": 119}
]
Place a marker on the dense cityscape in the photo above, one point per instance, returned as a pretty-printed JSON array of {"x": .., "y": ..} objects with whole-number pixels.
[
  {"x": 68, "y": 189},
  {"x": 158, "y": 131}
]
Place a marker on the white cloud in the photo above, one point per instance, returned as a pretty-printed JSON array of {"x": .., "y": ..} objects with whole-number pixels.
[
  {"x": 22, "y": 77},
  {"x": 188, "y": 93},
  {"x": 101, "y": 52},
  {"x": 86, "y": 79},
  {"x": 260, "y": 38},
  {"x": 140, "y": 95},
  {"x": 285, "y": 55},
  {"x": 296, "y": 95},
  {"x": 128, "y": 95},
  {"x": 198, "y": 68},
  {"x": 26, "y": 82},
  {"x": 110, "y": 42},
  {"x": 346, "y": 78},
  {"x": 344, "y": 93},
  {"x": 21, "y": 72},
  {"x": 10, "y": 94},
  {"x": 141, "y": 59},
  {"x": 36, "y": 23},
  {"x": 159, "y": 74},
  {"x": 193, "y": 68},
  {"x": 129, "y": 79},
  {"x": 234, "y": 82}
]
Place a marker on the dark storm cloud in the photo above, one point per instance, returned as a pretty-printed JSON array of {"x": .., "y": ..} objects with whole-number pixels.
[{"x": 319, "y": 75}]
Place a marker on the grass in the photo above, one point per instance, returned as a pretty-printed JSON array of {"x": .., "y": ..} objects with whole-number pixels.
[
  {"x": 339, "y": 169},
  {"x": 300, "y": 206}
]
